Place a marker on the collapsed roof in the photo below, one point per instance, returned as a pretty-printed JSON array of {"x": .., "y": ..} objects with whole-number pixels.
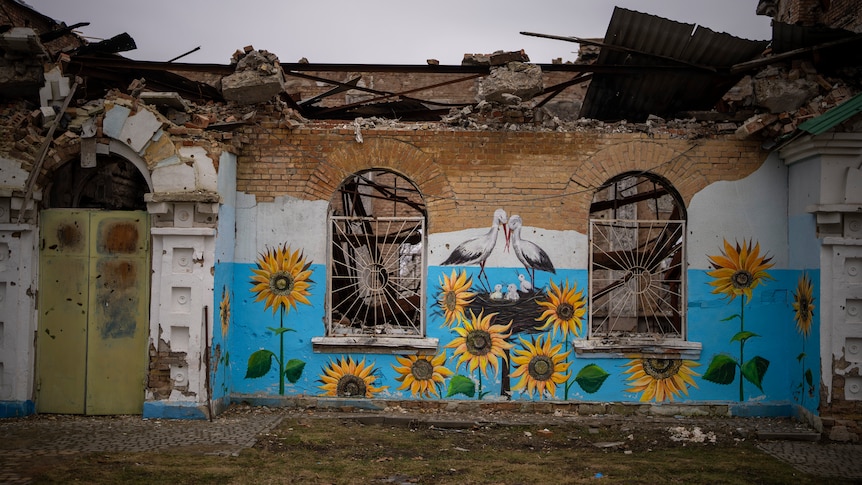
[{"x": 647, "y": 65}]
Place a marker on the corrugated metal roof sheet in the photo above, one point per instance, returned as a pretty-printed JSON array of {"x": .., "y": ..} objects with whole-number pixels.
[
  {"x": 834, "y": 116},
  {"x": 664, "y": 42}
]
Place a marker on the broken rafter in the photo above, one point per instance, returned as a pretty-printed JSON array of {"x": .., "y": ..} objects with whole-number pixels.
[
  {"x": 351, "y": 84},
  {"x": 559, "y": 88},
  {"x": 43, "y": 150},
  {"x": 402, "y": 96},
  {"x": 620, "y": 48},
  {"x": 757, "y": 63},
  {"x": 632, "y": 199}
]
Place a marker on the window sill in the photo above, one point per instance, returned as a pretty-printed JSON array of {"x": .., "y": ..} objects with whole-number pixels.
[
  {"x": 628, "y": 348},
  {"x": 375, "y": 345}
]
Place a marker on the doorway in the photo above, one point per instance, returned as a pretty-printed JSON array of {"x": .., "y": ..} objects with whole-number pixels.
[{"x": 93, "y": 311}]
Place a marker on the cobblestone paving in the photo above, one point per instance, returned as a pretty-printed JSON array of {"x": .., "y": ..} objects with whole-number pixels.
[
  {"x": 837, "y": 460},
  {"x": 56, "y": 436}
]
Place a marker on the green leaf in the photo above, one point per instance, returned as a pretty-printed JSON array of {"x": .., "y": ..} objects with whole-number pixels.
[
  {"x": 722, "y": 369},
  {"x": 461, "y": 385},
  {"x": 591, "y": 378},
  {"x": 279, "y": 331},
  {"x": 800, "y": 356},
  {"x": 293, "y": 370},
  {"x": 743, "y": 336},
  {"x": 735, "y": 315},
  {"x": 809, "y": 377},
  {"x": 754, "y": 369},
  {"x": 259, "y": 364}
]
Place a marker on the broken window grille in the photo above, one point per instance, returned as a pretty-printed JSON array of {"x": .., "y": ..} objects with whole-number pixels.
[
  {"x": 377, "y": 257},
  {"x": 637, "y": 260}
]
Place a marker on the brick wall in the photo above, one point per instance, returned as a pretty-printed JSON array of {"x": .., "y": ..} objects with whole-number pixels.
[
  {"x": 13, "y": 13},
  {"x": 549, "y": 178},
  {"x": 840, "y": 14}
]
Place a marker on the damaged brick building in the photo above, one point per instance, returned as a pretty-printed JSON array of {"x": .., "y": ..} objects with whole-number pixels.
[{"x": 669, "y": 223}]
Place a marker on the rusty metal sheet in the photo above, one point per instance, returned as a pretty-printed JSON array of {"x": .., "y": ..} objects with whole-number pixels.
[{"x": 119, "y": 317}]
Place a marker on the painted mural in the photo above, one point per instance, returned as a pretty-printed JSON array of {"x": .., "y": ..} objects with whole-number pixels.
[
  {"x": 508, "y": 332},
  {"x": 738, "y": 271},
  {"x": 281, "y": 280},
  {"x": 803, "y": 315}
]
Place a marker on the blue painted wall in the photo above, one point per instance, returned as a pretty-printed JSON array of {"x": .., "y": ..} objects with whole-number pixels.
[{"x": 792, "y": 358}]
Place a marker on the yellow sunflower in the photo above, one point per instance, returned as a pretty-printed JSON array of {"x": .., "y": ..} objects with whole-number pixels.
[
  {"x": 281, "y": 278},
  {"x": 224, "y": 311},
  {"x": 456, "y": 296},
  {"x": 739, "y": 270},
  {"x": 480, "y": 343},
  {"x": 564, "y": 309},
  {"x": 348, "y": 378},
  {"x": 803, "y": 305},
  {"x": 421, "y": 373},
  {"x": 661, "y": 379},
  {"x": 540, "y": 366}
]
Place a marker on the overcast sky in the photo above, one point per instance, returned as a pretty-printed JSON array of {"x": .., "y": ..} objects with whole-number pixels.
[{"x": 376, "y": 31}]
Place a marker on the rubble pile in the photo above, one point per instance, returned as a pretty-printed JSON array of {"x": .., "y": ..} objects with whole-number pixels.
[
  {"x": 257, "y": 78},
  {"x": 786, "y": 95}
]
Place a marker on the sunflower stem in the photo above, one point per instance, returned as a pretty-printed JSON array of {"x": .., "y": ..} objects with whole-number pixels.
[
  {"x": 802, "y": 364},
  {"x": 479, "y": 394},
  {"x": 568, "y": 382},
  {"x": 741, "y": 347},
  {"x": 281, "y": 354}
]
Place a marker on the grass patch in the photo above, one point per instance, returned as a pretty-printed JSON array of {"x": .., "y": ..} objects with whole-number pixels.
[{"x": 343, "y": 451}]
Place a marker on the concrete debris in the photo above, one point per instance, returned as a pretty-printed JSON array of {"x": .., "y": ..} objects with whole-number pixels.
[
  {"x": 782, "y": 94},
  {"x": 498, "y": 58},
  {"x": 695, "y": 435},
  {"x": 514, "y": 78},
  {"x": 791, "y": 93},
  {"x": 257, "y": 78}
]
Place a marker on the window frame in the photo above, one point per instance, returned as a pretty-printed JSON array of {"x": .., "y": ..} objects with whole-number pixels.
[
  {"x": 652, "y": 343},
  {"x": 370, "y": 277}
]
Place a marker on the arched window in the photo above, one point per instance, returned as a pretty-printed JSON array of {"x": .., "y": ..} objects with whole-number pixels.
[
  {"x": 637, "y": 261},
  {"x": 376, "y": 275}
]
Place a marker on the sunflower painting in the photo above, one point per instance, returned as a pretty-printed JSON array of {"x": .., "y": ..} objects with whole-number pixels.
[
  {"x": 348, "y": 378},
  {"x": 540, "y": 366},
  {"x": 563, "y": 310},
  {"x": 224, "y": 311},
  {"x": 422, "y": 374},
  {"x": 660, "y": 379},
  {"x": 455, "y": 296},
  {"x": 224, "y": 320},
  {"x": 738, "y": 270},
  {"x": 803, "y": 315},
  {"x": 479, "y": 343},
  {"x": 281, "y": 280},
  {"x": 803, "y": 305}
]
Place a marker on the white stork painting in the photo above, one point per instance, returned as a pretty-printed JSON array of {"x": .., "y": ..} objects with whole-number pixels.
[{"x": 476, "y": 250}]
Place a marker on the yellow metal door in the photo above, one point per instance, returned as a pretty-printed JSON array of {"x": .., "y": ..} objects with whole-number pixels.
[
  {"x": 64, "y": 298},
  {"x": 110, "y": 279}
]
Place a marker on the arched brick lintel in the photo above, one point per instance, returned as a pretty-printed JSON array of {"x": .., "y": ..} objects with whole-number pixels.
[
  {"x": 384, "y": 153},
  {"x": 689, "y": 166}
]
